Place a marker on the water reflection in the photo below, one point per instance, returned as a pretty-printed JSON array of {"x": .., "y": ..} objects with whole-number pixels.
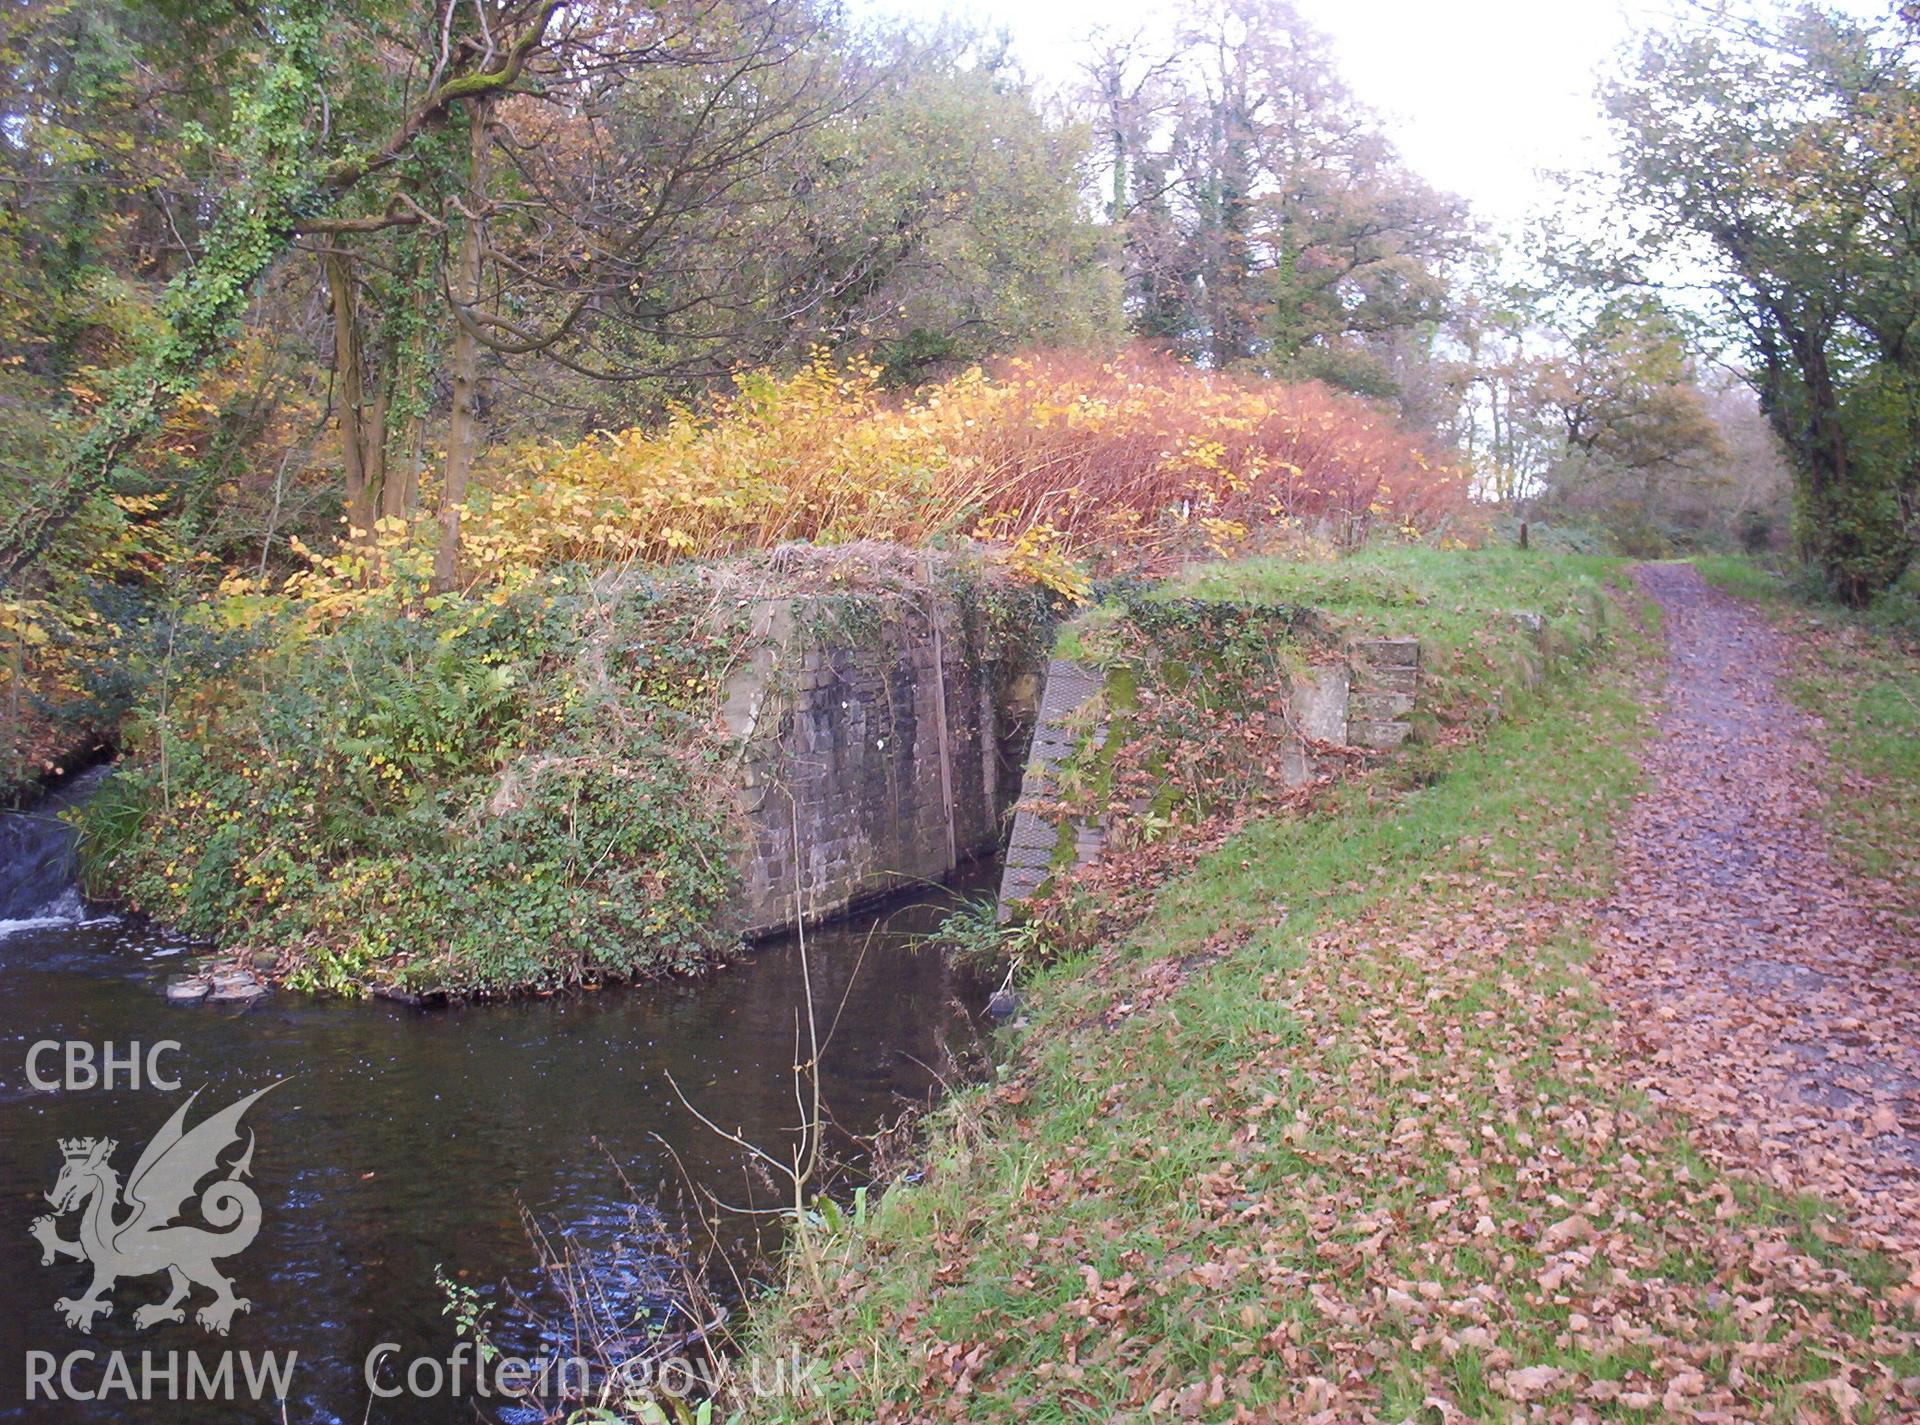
[{"x": 406, "y": 1142}]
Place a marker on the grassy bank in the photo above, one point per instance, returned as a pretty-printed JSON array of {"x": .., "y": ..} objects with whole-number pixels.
[
  {"x": 1209, "y": 678},
  {"x": 1337, "y": 1130},
  {"x": 1860, "y": 679},
  {"x": 1489, "y": 620}
]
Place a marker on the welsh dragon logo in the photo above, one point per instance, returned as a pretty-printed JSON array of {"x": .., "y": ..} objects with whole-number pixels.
[{"x": 146, "y": 1239}]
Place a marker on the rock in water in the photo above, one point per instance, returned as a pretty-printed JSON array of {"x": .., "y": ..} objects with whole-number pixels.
[
  {"x": 235, "y": 987},
  {"x": 186, "y": 989}
]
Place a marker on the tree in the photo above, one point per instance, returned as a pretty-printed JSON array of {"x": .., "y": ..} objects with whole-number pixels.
[
  {"x": 525, "y": 218},
  {"x": 947, "y": 221},
  {"x": 1624, "y": 394},
  {"x": 702, "y": 186},
  {"x": 1638, "y": 444},
  {"x": 1593, "y": 415},
  {"x": 1132, "y": 89},
  {"x": 1267, "y": 223},
  {"x": 900, "y": 199},
  {"x": 1776, "y": 164},
  {"x": 275, "y": 131}
]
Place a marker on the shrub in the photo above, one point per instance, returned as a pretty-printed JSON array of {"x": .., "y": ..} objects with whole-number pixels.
[
  {"x": 480, "y": 797},
  {"x": 1059, "y": 457},
  {"x": 1897, "y": 608}
]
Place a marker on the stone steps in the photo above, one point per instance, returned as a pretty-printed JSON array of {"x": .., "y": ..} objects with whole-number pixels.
[
  {"x": 1031, "y": 847},
  {"x": 1386, "y": 679}
]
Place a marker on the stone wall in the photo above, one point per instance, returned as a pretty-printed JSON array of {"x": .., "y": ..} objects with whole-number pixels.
[
  {"x": 1362, "y": 699},
  {"x": 1385, "y": 680},
  {"x": 880, "y": 739}
]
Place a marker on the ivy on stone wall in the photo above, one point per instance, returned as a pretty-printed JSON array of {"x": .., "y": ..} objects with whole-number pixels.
[{"x": 1195, "y": 717}]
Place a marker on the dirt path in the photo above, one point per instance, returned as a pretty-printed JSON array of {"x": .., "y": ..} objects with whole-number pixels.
[{"x": 1771, "y": 1002}]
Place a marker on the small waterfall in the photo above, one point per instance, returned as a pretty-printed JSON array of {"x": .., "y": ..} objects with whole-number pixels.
[{"x": 37, "y": 868}]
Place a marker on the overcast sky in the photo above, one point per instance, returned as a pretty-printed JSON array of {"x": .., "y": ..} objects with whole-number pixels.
[{"x": 1479, "y": 95}]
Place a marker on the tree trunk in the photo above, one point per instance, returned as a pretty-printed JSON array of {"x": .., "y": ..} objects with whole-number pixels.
[
  {"x": 1230, "y": 280},
  {"x": 363, "y": 441},
  {"x": 1819, "y": 436},
  {"x": 248, "y": 238},
  {"x": 463, "y": 367},
  {"x": 400, "y": 496}
]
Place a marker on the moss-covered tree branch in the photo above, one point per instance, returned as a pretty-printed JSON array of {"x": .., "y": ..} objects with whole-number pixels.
[{"x": 279, "y": 196}]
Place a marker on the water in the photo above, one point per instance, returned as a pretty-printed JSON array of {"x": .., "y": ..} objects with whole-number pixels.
[
  {"x": 403, "y": 1141},
  {"x": 36, "y": 859}
]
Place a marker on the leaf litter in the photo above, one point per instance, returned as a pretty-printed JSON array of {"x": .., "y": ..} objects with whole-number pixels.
[{"x": 1433, "y": 1159}]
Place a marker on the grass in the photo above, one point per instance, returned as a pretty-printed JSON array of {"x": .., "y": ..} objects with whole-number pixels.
[
  {"x": 1862, "y": 684},
  {"x": 1339, "y": 1127},
  {"x": 1489, "y": 621}
]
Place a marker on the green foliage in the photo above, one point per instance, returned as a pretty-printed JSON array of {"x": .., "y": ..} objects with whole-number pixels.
[
  {"x": 469, "y": 1313},
  {"x": 204, "y": 304},
  {"x": 1898, "y": 605},
  {"x": 976, "y": 940},
  {"x": 287, "y": 171},
  {"x": 100, "y": 195},
  {"x": 470, "y": 800},
  {"x": 964, "y": 209},
  {"x": 1783, "y": 154}
]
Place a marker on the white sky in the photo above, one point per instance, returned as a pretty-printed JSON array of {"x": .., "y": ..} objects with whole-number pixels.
[{"x": 1479, "y": 95}]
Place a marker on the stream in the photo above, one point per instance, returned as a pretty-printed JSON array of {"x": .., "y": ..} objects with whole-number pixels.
[{"x": 401, "y": 1141}]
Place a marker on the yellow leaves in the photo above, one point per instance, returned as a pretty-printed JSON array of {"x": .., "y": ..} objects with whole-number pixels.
[
  {"x": 1203, "y": 454},
  {"x": 1223, "y": 535},
  {"x": 1039, "y": 554},
  {"x": 23, "y": 622},
  {"x": 1063, "y": 456}
]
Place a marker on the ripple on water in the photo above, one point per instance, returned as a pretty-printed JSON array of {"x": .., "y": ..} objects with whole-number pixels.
[{"x": 405, "y": 1142}]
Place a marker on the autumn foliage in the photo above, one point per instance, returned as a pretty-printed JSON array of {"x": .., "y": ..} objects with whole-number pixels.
[{"x": 1062, "y": 457}]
